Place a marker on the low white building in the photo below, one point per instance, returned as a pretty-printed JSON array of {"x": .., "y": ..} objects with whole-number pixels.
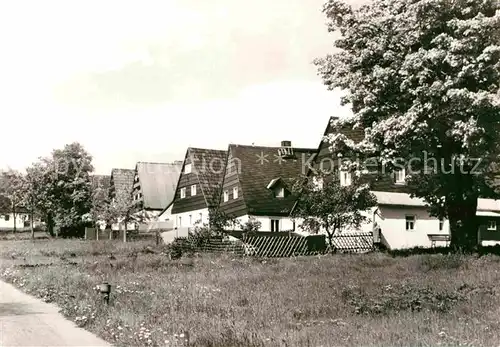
[{"x": 7, "y": 220}]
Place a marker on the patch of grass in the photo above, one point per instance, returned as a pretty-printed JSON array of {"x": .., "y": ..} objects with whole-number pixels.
[
  {"x": 341, "y": 300},
  {"x": 428, "y": 262}
]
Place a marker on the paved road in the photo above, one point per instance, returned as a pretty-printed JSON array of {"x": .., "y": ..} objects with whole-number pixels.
[{"x": 26, "y": 321}]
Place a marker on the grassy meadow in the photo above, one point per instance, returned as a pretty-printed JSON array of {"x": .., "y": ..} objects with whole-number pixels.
[{"x": 339, "y": 300}]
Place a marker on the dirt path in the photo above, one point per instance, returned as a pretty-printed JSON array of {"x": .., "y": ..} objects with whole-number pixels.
[{"x": 27, "y": 321}]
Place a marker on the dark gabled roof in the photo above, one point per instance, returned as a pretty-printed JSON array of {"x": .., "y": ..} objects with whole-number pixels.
[
  {"x": 209, "y": 165},
  {"x": 158, "y": 182},
  {"x": 122, "y": 180},
  {"x": 261, "y": 165},
  {"x": 100, "y": 186}
]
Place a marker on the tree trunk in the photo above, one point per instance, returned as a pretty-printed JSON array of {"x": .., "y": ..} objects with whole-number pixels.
[
  {"x": 31, "y": 225},
  {"x": 14, "y": 215},
  {"x": 50, "y": 224},
  {"x": 461, "y": 208},
  {"x": 125, "y": 229}
]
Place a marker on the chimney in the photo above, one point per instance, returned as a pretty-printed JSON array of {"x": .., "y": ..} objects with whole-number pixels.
[{"x": 286, "y": 143}]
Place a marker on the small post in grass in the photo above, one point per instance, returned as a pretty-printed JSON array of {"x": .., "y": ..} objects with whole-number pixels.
[{"x": 105, "y": 289}]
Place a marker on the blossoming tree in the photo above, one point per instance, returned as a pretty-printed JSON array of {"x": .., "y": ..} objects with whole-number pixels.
[{"x": 422, "y": 78}]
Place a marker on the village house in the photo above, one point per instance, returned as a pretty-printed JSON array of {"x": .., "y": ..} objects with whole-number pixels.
[
  {"x": 258, "y": 184},
  {"x": 21, "y": 217},
  {"x": 120, "y": 191},
  {"x": 198, "y": 187},
  {"x": 7, "y": 220},
  {"x": 399, "y": 221},
  {"x": 154, "y": 190}
]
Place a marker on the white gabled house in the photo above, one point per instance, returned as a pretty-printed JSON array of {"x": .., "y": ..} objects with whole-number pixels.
[
  {"x": 153, "y": 191},
  {"x": 399, "y": 221},
  {"x": 198, "y": 187}
]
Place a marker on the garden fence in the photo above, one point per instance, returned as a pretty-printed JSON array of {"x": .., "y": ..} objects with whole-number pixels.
[{"x": 353, "y": 242}]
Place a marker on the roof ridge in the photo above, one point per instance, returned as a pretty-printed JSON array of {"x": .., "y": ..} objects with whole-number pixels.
[
  {"x": 156, "y": 162},
  {"x": 207, "y": 149},
  {"x": 270, "y": 147}
]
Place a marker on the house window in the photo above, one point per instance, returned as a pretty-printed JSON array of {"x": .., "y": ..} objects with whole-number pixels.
[
  {"x": 201, "y": 218},
  {"x": 235, "y": 193},
  {"x": 345, "y": 178},
  {"x": 293, "y": 225},
  {"x": 410, "y": 223},
  {"x": 183, "y": 193},
  {"x": 441, "y": 224},
  {"x": 399, "y": 176},
  {"x": 275, "y": 225},
  {"x": 179, "y": 219},
  {"x": 190, "y": 220},
  {"x": 6, "y": 217},
  {"x": 193, "y": 190},
  {"x": 280, "y": 192},
  {"x": 226, "y": 196},
  {"x": 492, "y": 225},
  {"x": 187, "y": 169}
]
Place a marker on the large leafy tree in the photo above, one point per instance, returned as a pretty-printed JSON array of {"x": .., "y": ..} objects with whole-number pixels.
[
  {"x": 60, "y": 187},
  {"x": 422, "y": 77},
  {"x": 330, "y": 207},
  {"x": 12, "y": 193}
]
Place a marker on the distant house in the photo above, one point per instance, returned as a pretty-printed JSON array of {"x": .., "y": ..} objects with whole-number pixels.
[
  {"x": 198, "y": 188},
  {"x": 120, "y": 189},
  {"x": 154, "y": 188},
  {"x": 6, "y": 211},
  {"x": 22, "y": 218},
  {"x": 257, "y": 183}
]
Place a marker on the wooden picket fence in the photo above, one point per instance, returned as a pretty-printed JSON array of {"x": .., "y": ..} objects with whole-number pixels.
[
  {"x": 353, "y": 242},
  {"x": 285, "y": 246}
]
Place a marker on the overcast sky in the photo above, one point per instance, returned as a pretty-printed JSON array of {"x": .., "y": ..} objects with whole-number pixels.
[{"x": 143, "y": 80}]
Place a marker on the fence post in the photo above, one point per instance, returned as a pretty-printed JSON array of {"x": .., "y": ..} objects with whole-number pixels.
[{"x": 124, "y": 235}]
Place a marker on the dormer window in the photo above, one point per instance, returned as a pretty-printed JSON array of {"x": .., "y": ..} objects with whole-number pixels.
[
  {"x": 183, "y": 193},
  {"x": 187, "y": 169},
  {"x": 279, "y": 192},
  {"x": 277, "y": 187},
  {"x": 345, "y": 178},
  {"x": 226, "y": 196},
  {"x": 400, "y": 176},
  {"x": 193, "y": 190}
]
